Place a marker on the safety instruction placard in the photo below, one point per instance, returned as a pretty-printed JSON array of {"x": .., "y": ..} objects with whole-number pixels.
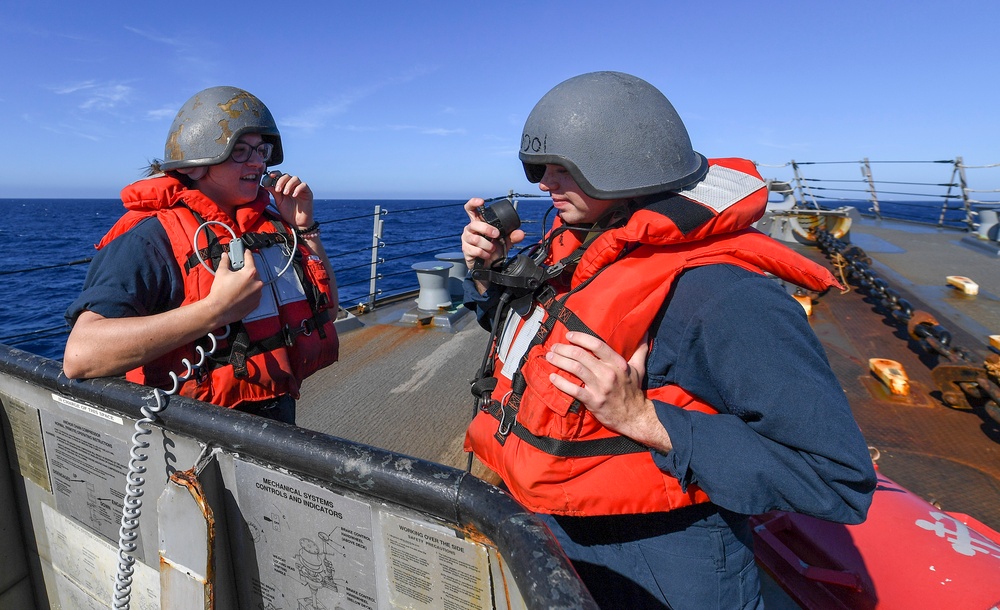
[
  {"x": 88, "y": 465},
  {"x": 430, "y": 567},
  {"x": 86, "y": 567},
  {"x": 26, "y": 433},
  {"x": 311, "y": 547}
]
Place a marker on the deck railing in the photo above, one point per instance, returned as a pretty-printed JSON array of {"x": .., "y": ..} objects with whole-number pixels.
[
  {"x": 375, "y": 264},
  {"x": 226, "y": 510},
  {"x": 936, "y": 192}
]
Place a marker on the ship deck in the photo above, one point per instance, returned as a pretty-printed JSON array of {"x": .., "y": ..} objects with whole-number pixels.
[
  {"x": 948, "y": 456},
  {"x": 405, "y": 386},
  {"x": 400, "y": 386}
]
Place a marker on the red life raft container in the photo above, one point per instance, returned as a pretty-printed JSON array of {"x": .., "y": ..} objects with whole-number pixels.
[{"x": 907, "y": 554}]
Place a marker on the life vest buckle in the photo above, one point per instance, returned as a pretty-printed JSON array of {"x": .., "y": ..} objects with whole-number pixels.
[
  {"x": 482, "y": 388},
  {"x": 306, "y": 328},
  {"x": 288, "y": 335},
  {"x": 508, "y": 417},
  {"x": 253, "y": 241}
]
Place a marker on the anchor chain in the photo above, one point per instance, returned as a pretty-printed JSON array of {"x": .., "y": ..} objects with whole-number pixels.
[{"x": 962, "y": 376}]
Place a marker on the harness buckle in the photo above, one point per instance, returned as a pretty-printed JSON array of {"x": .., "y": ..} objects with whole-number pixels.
[
  {"x": 482, "y": 388},
  {"x": 508, "y": 417},
  {"x": 252, "y": 241},
  {"x": 306, "y": 328},
  {"x": 504, "y": 428},
  {"x": 554, "y": 270}
]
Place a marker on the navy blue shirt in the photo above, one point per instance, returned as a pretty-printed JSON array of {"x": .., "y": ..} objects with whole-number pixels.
[
  {"x": 134, "y": 275},
  {"x": 784, "y": 437}
]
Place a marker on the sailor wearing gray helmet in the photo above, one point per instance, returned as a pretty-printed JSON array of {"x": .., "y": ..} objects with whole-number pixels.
[
  {"x": 199, "y": 251},
  {"x": 640, "y": 403}
]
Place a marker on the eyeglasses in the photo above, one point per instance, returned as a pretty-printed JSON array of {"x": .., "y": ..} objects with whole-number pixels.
[{"x": 242, "y": 151}]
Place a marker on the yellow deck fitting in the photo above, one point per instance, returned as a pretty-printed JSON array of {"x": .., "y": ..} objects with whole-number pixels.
[
  {"x": 995, "y": 341},
  {"x": 963, "y": 283},
  {"x": 805, "y": 301},
  {"x": 890, "y": 373}
]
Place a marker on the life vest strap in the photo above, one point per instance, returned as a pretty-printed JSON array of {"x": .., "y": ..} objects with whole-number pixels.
[
  {"x": 238, "y": 350},
  {"x": 613, "y": 445},
  {"x": 241, "y": 348},
  {"x": 251, "y": 241}
]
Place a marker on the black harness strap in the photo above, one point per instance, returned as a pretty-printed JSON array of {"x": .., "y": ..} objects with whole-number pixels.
[
  {"x": 238, "y": 351},
  {"x": 252, "y": 241},
  {"x": 238, "y": 346},
  {"x": 506, "y": 412},
  {"x": 613, "y": 445}
]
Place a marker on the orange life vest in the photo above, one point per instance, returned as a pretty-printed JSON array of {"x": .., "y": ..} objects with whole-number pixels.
[
  {"x": 288, "y": 337},
  {"x": 554, "y": 456}
]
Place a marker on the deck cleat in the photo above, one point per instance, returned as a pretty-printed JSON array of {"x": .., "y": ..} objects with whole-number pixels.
[
  {"x": 892, "y": 374},
  {"x": 964, "y": 284}
]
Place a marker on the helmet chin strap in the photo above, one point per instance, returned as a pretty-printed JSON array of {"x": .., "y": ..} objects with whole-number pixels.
[
  {"x": 615, "y": 216},
  {"x": 194, "y": 173}
]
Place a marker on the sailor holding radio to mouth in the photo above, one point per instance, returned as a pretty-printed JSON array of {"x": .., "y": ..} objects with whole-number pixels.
[{"x": 164, "y": 276}]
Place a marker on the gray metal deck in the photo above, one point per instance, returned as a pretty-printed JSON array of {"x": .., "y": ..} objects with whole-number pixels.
[
  {"x": 949, "y": 457},
  {"x": 405, "y": 387},
  {"x": 921, "y": 257},
  {"x": 400, "y": 386}
]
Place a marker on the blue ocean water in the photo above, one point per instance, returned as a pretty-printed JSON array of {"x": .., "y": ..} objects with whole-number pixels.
[
  {"x": 952, "y": 215},
  {"x": 45, "y": 243}
]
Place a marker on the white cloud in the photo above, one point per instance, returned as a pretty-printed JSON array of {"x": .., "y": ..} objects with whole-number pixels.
[
  {"x": 174, "y": 42},
  {"x": 97, "y": 96},
  {"x": 316, "y": 117},
  {"x": 181, "y": 54},
  {"x": 107, "y": 97},
  {"x": 68, "y": 89},
  {"x": 161, "y": 113},
  {"x": 430, "y": 131},
  {"x": 63, "y": 129},
  {"x": 440, "y": 131}
]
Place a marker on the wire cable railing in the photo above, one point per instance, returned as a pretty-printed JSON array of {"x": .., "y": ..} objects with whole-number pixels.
[
  {"x": 943, "y": 199},
  {"x": 365, "y": 273},
  {"x": 370, "y": 267}
]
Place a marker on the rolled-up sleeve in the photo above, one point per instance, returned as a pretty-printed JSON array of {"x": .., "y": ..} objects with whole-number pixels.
[
  {"x": 784, "y": 437},
  {"x": 134, "y": 275}
]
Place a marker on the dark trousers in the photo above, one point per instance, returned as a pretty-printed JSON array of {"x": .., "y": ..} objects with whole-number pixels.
[{"x": 697, "y": 557}]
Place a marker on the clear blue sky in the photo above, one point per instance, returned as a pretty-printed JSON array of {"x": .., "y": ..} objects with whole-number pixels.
[{"x": 427, "y": 99}]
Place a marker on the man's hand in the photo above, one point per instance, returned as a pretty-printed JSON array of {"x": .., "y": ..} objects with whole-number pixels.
[
  {"x": 480, "y": 240},
  {"x": 612, "y": 387}
]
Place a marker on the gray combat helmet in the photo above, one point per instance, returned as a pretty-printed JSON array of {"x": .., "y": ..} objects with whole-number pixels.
[
  {"x": 616, "y": 134},
  {"x": 208, "y": 125}
]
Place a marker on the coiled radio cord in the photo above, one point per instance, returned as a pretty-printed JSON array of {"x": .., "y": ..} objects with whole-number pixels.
[{"x": 132, "y": 502}]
